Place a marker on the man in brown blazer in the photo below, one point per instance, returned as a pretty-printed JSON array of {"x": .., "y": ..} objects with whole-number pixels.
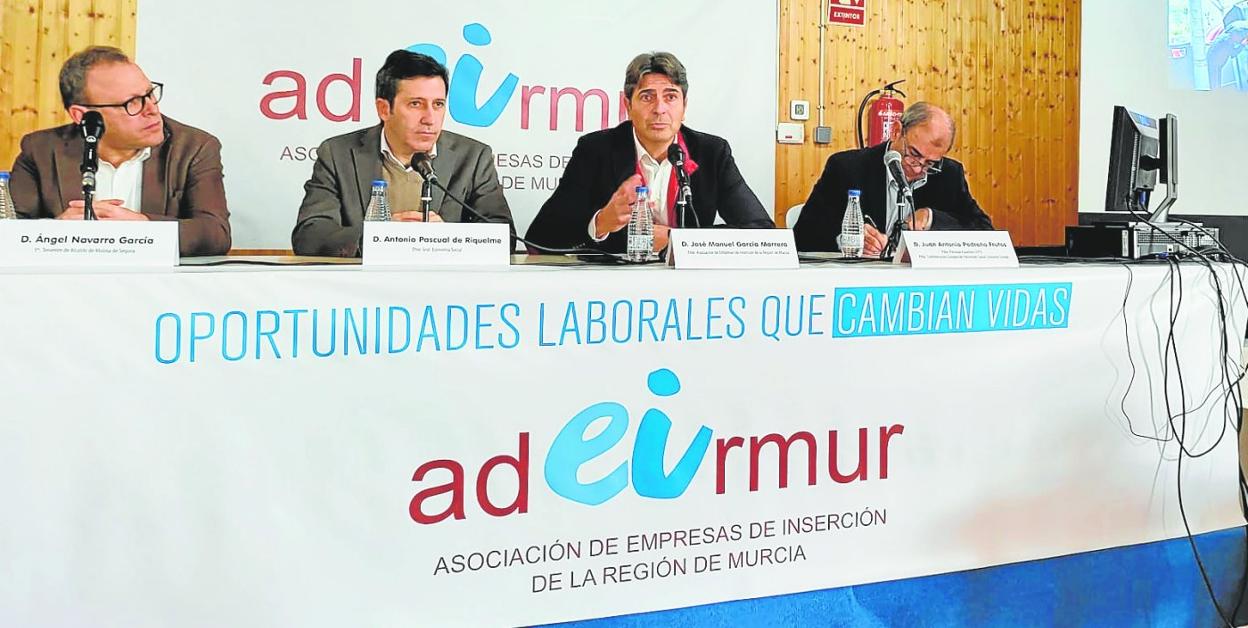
[{"x": 151, "y": 167}]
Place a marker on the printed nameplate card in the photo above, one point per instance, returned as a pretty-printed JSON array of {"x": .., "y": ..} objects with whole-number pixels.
[
  {"x": 956, "y": 249},
  {"x": 88, "y": 243},
  {"x": 436, "y": 244},
  {"x": 733, "y": 248}
]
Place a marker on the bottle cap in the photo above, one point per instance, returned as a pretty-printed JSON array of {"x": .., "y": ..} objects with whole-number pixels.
[
  {"x": 641, "y": 189},
  {"x": 4, "y": 176},
  {"x": 855, "y": 192},
  {"x": 379, "y": 183}
]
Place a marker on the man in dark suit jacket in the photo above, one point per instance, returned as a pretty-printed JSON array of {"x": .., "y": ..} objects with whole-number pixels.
[
  {"x": 411, "y": 102},
  {"x": 942, "y": 199},
  {"x": 593, "y": 203},
  {"x": 151, "y": 167}
]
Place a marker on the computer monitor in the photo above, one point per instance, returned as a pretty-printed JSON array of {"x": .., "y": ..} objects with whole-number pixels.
[{"x": 1142, "y": 152}]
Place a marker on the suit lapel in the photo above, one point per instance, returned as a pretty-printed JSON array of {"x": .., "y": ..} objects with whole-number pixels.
[
  {"x": 874, "y": 201},
  {"x": 700, "y": 180},
  {"x": 366, "y": 158},
  {"x": 155, "y": 179},
  {"x": 623, "y": 155},
  {"x": 447, "y": 166},
  {"x": 68, "y": 173}
]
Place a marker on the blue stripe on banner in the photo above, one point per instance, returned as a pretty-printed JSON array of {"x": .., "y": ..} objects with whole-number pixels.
[
  {"x": 1156, "y": 584},
  {"x": 916, "y": 310}
]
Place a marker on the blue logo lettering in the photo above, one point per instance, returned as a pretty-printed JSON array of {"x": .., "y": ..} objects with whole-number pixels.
[
  {"x": 648, "y": 477},
  {"x": 466, "y": 81},
  {"x": 571, "y": 450}
]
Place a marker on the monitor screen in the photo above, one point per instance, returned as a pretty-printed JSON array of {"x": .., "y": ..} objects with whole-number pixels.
[
  {"x": 1134, "y": 160},
  {"x": 1208, "y": 44}
]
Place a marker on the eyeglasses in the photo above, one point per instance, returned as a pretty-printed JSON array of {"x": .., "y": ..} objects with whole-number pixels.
[
  {"x": 915, "y": 159},
  {"x": 135, "y": 105}
]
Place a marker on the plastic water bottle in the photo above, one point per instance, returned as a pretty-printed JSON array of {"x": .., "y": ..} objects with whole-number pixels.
[
  {"x": 641, "y": 228},
  {"x": 851, "y": 238},
  {"x": 7, "y": 210},
  {"x": 378, "y": 204}
]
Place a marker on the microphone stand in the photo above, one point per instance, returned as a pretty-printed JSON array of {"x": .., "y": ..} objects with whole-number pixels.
[
  {"x": 426, "y": 196},
  {"x": 88, "y": 195},
  {"x": 92, "y": 128},
  {"x": 905, "y": 209},
  {"x": 684, "y": 199},
  {"x": 90, "y": 165},
  {"x": 684, "y": 192},
  {"x": 422, "y": 164}
]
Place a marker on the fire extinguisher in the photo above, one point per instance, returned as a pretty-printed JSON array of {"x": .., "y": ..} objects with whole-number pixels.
[{"x": 886, "y": 110}]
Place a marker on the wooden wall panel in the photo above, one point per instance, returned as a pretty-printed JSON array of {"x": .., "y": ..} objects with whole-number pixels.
[{"x": 1008, "y": 71}]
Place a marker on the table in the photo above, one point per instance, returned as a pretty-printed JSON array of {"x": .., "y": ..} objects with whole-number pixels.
[{"x": 333, "y": 445}]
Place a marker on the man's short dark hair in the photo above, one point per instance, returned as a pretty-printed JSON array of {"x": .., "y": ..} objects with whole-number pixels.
[
  {"x": 664, "y": 63},
  {"x": 405, "y": 64},
  {"x": 73, "y": 78}
]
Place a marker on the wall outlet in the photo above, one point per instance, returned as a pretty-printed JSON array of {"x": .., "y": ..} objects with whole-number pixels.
[
  {"x": 790, "y": 133},
  {"x": 823, "y": 135}
]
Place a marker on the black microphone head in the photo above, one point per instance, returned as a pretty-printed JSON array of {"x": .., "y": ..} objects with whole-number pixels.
[
  {"x": 892, "y": 161},
  {"x": 92, "y": 125},
  {"x": 676, "y": 154},
  {"x": 422, "y": 164}
]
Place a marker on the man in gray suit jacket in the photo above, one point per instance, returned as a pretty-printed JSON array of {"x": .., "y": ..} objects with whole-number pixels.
[{"x": 411, "y": 102}]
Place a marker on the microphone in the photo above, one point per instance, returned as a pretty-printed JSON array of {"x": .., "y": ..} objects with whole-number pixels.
[
  {"x": 684, "y": 194},
  {"x": 676, "y": 155},
  {"x": 905, "y": 196},
  {"x": 892, "y": 160},
  {"x": 423, "y": 164},
  {"x": 92, "y": 127}
]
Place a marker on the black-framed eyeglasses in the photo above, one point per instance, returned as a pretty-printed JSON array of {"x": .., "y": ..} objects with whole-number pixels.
[
  {"x": 915, "y": 159},
  {"x": 135, "y": 105}
]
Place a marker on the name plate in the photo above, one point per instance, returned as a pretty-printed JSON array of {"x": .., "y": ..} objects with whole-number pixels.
[
  {"x": 956, "y": 249},
  {"x": 88, "y": 243},
  {"x": 436, "y": 244},
  {"x": 733, "y": 248}
]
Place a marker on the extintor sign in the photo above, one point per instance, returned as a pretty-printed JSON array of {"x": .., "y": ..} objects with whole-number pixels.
[{"x": 847, "y": 12}]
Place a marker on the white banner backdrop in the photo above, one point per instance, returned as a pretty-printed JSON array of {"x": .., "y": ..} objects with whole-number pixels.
[
  {"x": 273, "y": 447},
  {"x": 274, "y": 79},
  {"x": 297, "y": 447}
]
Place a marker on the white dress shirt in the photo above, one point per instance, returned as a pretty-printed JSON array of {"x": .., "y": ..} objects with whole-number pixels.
[
  {"x": 389, "y": 154},
  {"x": 123, "y": 182},
  {"x": 656, "y": 176},
  {"x": 890, "y": 199}
]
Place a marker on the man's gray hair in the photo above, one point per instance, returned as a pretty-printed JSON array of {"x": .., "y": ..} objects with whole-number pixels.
[
  {"x": 664, "y": 63},
  {"x": 73, "y": 79},
  {"x": 921, "y": 113}
]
